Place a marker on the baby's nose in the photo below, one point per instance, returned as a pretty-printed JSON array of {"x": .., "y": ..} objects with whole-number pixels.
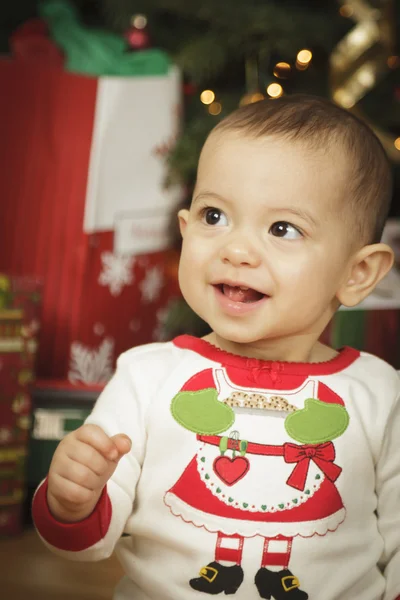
[{"x": 240, "y": 252}]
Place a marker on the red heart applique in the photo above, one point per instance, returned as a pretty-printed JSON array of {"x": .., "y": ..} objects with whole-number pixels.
[{"x": 231, "y": 470}]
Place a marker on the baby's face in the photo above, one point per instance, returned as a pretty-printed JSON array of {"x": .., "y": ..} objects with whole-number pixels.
[{"x": 264, "y": 242}]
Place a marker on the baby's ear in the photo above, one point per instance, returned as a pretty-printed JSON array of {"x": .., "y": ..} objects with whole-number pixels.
[
  {"x": 366, "y": 269},
  {"x": 183, "y": 216}
]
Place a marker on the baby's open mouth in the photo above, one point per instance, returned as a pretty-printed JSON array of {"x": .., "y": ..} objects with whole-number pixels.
[{"x": 240, "y": 293}]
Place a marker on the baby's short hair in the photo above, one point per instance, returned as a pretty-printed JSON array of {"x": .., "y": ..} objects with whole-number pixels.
[{"x": 318, "y": 123}]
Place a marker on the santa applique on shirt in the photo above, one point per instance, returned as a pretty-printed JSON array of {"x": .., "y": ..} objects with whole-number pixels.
[{"x": 264, "y": 466}]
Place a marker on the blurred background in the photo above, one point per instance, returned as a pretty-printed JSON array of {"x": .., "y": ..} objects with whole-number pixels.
[{"x": 104, "y": 107}]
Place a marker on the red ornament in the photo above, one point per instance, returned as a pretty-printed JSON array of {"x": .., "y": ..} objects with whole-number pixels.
[{"x": 137, "y": 35}]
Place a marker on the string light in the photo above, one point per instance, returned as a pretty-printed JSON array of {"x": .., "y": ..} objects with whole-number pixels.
[
  {"x": 215, "y": 108},
  {"x": 139, "y": 21},
  {"x": 304, "y": 57},
  {"x": 346, "y": 11},
  {"x": 282, "y": 70},
  {"x": 257, "y": 97},
  {"x": 207, "y": 97},
  {"x": 397, "y": 143},
  {"x": 275, "y": 90}
]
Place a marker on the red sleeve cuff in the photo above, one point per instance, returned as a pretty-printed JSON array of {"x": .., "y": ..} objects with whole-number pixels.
[{"x": 71, "y": 536}]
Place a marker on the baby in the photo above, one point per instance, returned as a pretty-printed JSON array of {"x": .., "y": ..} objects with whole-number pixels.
[{"x": 256, "y": 461}]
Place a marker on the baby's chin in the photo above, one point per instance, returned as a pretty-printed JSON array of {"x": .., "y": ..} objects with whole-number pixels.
[{"x": 240, "y": 338}]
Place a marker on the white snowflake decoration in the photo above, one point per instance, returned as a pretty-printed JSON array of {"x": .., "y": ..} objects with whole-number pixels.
[
  {"x": 117, "y": 271},
  {"x": 152, "y": 284},
  {"x": 91, "y": 366}
]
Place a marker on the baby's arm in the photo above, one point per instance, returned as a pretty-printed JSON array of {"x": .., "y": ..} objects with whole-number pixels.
[
  {"x": 82, "y": 508},
  {"x": 388, "y": 492}
]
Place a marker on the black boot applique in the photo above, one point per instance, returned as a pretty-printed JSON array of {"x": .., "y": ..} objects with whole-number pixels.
[
  {"x": 280, "y": 585},
  {"x": 216, "y": 578}
]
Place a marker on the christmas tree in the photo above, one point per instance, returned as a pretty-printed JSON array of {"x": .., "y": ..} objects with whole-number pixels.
[{"x": 233, "y": 52}]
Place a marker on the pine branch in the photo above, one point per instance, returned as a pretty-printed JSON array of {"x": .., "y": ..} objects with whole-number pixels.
[
  {"x": 254, "y": 17},
  {"x": 205, "y": 37},
  {"x": 204, "y": 57}
]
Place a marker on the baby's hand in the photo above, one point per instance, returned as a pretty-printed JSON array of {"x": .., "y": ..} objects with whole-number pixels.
[{"x": 82, "y": 464}]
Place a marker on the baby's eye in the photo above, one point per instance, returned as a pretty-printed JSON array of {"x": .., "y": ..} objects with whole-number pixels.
[
  {"x": 285, "y": 230},
  {"x": 214, "y": 216}
]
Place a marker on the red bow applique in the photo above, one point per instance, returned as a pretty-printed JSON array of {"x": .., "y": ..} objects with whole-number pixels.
[{"x": 323, "y": 455}]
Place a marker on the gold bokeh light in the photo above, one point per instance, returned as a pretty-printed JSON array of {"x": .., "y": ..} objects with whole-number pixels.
[
  {"x": 215, "y": 108},
  {"x": 207, "y": 97},
  {"x": 139, "y": 21},
  {"x": 304, "y": 57},
  {"x": 275, "y": 90},
  {"x": 346, "y": 10},
  {"x": 282, "y": 70}
]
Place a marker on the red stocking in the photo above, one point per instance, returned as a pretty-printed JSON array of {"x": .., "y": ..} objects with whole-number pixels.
[
  {"x": 276, "y": 552},
  {"x": 229, "y": 549}
]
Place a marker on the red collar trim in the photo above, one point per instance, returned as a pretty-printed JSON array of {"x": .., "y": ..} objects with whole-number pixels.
[{"x": 344, "y": 359}]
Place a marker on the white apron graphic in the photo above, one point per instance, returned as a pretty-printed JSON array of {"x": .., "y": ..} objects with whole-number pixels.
[{"x": 259, "y": 502}]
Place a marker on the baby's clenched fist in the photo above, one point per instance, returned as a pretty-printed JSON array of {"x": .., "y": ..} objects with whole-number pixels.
[{"x": 82, "y": 464}]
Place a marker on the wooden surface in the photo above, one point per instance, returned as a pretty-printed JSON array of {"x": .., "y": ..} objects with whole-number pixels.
[{"x": 29, "y": 571}]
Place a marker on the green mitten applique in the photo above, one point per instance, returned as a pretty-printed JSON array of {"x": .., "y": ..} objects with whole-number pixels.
[
  {"x": 317, "y": 422},
  {"x": 202, "y": 412}
]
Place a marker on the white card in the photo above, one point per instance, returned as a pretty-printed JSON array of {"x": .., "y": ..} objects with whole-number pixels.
[{"x": 141, "y": 233}]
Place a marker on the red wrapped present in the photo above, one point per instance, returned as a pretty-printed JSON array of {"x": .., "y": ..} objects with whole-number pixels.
[
  {"x": 84, "y": 208},
  {"x": 31, "y": 42}
]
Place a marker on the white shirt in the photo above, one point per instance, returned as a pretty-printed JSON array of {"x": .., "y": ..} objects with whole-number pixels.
[{"x": 321, "y": 465}]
